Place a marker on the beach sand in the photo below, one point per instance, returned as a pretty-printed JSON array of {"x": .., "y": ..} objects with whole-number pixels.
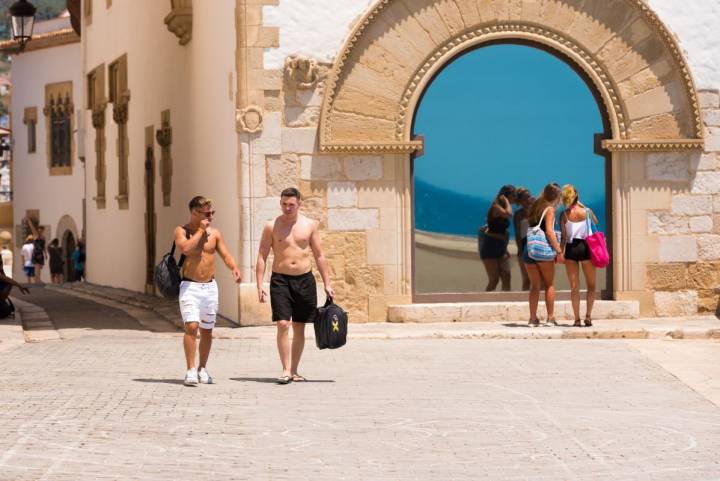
[{"x": 451, "y": 264}]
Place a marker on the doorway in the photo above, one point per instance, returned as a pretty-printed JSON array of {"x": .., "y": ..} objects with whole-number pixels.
[
  {"x": 68, "y": 246},
  {"x": 150, "y": 220}
]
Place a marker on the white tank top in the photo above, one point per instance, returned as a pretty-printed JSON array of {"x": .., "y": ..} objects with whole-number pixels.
[{"x": 576, "y": 230}]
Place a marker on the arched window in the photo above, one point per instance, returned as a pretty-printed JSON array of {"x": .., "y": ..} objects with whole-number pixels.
[{"x": 503, "y": 114}]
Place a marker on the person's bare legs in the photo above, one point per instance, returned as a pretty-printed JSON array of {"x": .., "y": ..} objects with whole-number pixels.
[
  {"x": 38, "y": 273},
  {"x": 283, "y": 344},
  {"x": 505, "y": 273},
  {"x": 492, "y": 267},
  {"x": 524, "y": 275},
  {"x": 573, "y": 272},
  {"x": 189, "y": 343},
  {"x": 205, "y": 345},
  {"x": 589, "y": 271},
  {"x": 298, "y": 345},
  {"x": 534, "y": 294},
  {"x": 547, "y": 272}
]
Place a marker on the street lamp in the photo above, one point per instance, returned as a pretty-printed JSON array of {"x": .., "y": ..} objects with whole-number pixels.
[{"x": 23, "y": 20}]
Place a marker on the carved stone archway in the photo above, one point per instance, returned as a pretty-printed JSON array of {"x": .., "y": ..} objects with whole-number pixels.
[{"x": 633, "y": 60}]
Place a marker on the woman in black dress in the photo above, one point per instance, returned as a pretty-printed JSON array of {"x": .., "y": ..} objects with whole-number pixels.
[
  {"x": 494, "y": 252},
  {"x": 56, "y": 261}
]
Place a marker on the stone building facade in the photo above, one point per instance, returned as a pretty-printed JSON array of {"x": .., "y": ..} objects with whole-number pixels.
[{"x": 262, "y": 94}]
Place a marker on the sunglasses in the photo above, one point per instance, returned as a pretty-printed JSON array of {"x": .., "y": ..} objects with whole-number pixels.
[{"x": 207, "y": 213}]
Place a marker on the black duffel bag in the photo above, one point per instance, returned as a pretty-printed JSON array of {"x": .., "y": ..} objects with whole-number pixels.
[
  {"x": 167, "y": 275},
  {"x": 330, "y": 326}
]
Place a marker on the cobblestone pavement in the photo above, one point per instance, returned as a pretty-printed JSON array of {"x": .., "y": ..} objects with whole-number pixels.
[{"x": 112, "y": 406}]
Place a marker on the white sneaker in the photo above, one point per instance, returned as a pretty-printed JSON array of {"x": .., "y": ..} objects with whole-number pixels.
[
  {"x": 205, "y": 377},
  {"x": 191, "y": 377}
]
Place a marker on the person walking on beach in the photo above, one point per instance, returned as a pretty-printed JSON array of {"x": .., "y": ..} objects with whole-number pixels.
[
  {"x": 198, "y": 241},
  {"x": 293, "y": 238},
  {"x": 575, "y": 226},
  {"x": 542, "y": 273},
  {"x": 494, "y": 253}
]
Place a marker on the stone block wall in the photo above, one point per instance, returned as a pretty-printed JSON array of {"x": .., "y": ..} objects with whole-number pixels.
[
  {"x": 685, "y": 279},
  {"x": 357, "y": 199}
]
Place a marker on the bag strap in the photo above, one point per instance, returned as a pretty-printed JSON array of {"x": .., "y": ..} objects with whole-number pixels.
[
  {"x": 542, "y": 217},
  {"x": 328, "y": 301},
  {"x": 588, "y": 220},
  {"x": 172, "y": 254}
]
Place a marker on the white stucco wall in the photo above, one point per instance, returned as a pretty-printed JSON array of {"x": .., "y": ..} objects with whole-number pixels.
[
  {"x": 196, "y": 83},
  {"x": 695, "y": 22},
  {"x": 33, "y": 186},
  {"x": 318, "y": 28}
]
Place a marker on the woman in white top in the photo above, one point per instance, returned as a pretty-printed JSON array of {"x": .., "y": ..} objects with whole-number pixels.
[{"x": 574, "y": 226}]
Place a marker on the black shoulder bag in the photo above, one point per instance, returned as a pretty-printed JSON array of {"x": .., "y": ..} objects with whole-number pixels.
[{"x": 167, "y": 274}]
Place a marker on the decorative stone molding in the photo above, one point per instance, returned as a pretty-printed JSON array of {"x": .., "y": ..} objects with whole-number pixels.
[
  {"x": 59, "y": 106},
  {"x": 179, "y": 20},
  {"x": 302, "y": 72},
  {"x": 164, "y": 137},
  {"x": 120, "y": 108},
  {"x": 98, "y": 122},
  {"x": 358, "y": 116},
  {"x": 249, "y": 119},
  {"x": 641, "y": 146}
]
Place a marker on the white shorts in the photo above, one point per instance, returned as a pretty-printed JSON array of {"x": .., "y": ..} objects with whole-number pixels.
[{"x": 199, "y": 302}]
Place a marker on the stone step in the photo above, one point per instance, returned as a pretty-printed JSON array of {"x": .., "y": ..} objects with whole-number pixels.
[{"x": 505, "y": 311}]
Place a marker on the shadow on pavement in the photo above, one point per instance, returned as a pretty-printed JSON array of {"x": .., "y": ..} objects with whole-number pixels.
[
  {"x": 71, "y": 312},
  {"x": 272, "y": 380},
  {"x": 161, "y": 381},
  {"x": 525, "y": 324}
]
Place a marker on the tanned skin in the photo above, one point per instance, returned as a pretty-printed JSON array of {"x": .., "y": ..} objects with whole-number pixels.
[
  {"x": 199, "y": 266},
  {"x": 293, "y": 239}
]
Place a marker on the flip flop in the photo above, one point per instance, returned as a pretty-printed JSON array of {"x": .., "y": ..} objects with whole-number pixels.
[
  {"x": 284, "y": 380},
  {"x": 298, "y": 378}
]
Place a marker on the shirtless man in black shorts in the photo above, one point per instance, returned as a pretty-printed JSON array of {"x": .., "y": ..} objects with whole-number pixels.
[{"x": 293, "y": 297}]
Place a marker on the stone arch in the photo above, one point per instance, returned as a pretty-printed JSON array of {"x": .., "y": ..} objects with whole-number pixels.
[
  {"x": 634, "y": 61},
  {"x": 66, "y": 223}
]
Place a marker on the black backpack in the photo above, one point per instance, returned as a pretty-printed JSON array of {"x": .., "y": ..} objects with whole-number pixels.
[
  {"x": 330, "y": 326},
  {"x": 7, "y": 309},
  {"x": 167, "y": 274}
]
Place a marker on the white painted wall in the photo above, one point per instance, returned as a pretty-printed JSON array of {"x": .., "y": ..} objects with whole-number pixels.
[
  {"x": 695, "y": 23},
  {"x": 318, "y": 28},
  {"x": 194, "y": 82},
  {"x": 33, "y": 186}
]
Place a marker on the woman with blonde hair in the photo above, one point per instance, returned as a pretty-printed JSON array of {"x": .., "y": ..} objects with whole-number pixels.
[
  {"x": 575, "y": 226},
  {"x": 542, "y": 273}
]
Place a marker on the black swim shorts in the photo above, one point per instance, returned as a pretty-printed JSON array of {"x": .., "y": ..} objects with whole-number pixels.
[
  {"x": 577, "y": 250},
  {"x": 293, "y": 297}
]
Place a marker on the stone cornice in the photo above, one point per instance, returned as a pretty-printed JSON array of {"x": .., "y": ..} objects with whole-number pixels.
[
  {"x": 374, "y": 148},
  {"x": 669, "y": 145},
  {"x": 42, "y": 41}
]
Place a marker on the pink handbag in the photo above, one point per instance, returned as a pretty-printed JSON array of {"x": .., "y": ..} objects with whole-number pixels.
[{"x": 599, "y": 255}]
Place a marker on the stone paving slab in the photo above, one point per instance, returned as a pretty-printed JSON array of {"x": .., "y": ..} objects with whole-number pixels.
[
  {"x": 659, "y": 328},
  {"x": 114, "y": 407}
]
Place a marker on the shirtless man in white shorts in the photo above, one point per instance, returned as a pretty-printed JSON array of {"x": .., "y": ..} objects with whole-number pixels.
[
  {"x": 198, "y": 290},
  {"x": 293, "y": 238}
]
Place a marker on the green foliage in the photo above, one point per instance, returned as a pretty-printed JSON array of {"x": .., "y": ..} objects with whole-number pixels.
[{"x": 46, "y": 9}]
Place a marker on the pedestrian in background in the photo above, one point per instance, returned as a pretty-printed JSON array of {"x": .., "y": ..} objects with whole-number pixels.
[
  {"x": 542, "y": 273},
  {"x": 56, "y": 261},
  {"x": 494, "y": 252},
  {"x": 27, "y": 252},
  {"x": 575, "y": 226},
  {"x": 78, "y": 260}
]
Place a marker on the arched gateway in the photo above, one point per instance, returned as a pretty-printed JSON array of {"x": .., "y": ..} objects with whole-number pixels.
[{"x": 646, "y": 90}]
